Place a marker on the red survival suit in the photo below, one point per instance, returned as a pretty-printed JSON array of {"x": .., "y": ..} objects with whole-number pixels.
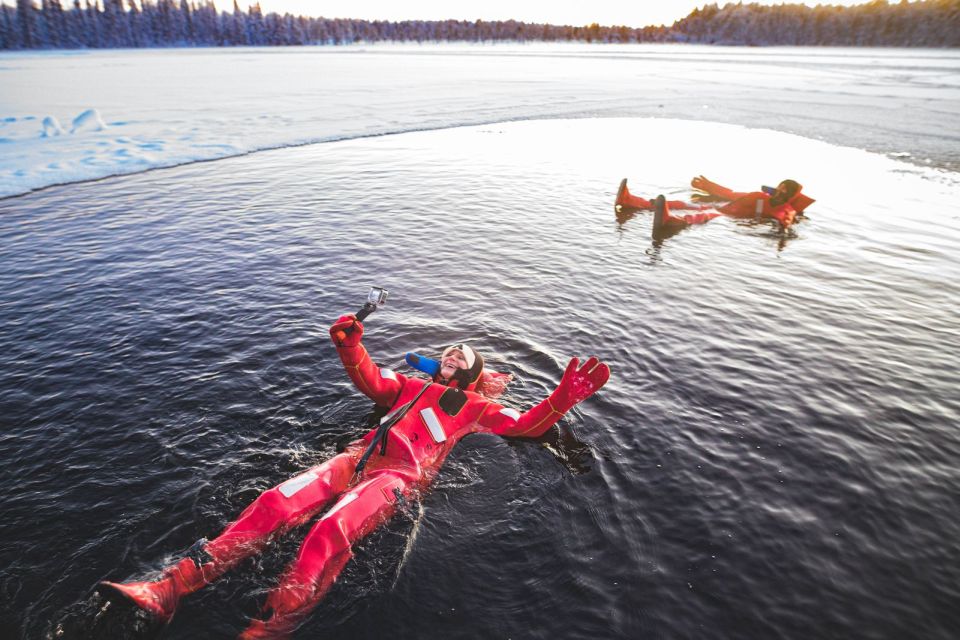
[
  {"x": 434, "y": 418},
  {"x": 754, "y": 204}
]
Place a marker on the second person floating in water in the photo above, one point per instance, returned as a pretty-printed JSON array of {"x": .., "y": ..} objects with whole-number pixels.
[{"x": 783, "y": 204}]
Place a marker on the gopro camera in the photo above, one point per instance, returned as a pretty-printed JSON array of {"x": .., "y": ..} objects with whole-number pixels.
[
  {"x": 375, "y": 299},
  {"x": 377, "y": 296}
]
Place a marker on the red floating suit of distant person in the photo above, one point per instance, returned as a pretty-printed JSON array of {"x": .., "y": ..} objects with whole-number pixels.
[
  {"x": 782, "y": 204},
  {"x": 368, "y": 479}
]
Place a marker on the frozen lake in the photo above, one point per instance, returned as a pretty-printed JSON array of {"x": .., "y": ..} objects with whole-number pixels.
[
  {"x": 904, "y": 102},
  {"x": 775, "y": 455}
]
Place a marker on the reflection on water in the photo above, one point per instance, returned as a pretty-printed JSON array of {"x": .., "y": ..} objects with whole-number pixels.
[
  {"x": 774, "y": 455},
  {"x": 658, "y": 237}
]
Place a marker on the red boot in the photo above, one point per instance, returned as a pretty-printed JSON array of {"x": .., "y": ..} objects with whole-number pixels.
[
  {"x": 662, "y": 220},
  {"x": 625, "y": 200},
  {"x": 290, "y": 605},
  {"x": 160, "y": 597}
]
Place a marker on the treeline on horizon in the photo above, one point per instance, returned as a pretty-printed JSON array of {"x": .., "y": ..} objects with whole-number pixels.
[{"x": 180, "y": 23}]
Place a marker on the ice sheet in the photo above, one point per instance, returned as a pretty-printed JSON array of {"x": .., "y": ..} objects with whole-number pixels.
[{"x": 82, "y": 115}]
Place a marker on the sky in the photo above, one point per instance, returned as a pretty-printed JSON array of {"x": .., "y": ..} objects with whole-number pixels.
[{"x": 633, "y": 13}]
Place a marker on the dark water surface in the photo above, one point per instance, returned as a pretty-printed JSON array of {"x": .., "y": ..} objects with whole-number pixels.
[{"x": 775, "y": 456}]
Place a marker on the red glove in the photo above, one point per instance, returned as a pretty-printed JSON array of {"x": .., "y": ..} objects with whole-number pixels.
[
  {"x": 717, "y": 191},
  {"x": 340, "y": 334},
  {"x": 579, "y": 384},
  {"x": 785, "y": 215}
]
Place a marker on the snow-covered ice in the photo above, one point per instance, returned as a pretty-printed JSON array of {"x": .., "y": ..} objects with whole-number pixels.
[
  {"x": 132, "y": 110},
  {"x": 51, "y": 127},
  {"x": 89, "y": 120}
]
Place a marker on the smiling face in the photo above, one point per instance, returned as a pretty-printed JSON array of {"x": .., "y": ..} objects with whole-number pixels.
[{"x": 451, "y": 362}]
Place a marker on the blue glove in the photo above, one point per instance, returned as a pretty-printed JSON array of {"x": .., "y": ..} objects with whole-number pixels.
[{"x": 427, "y": 365}]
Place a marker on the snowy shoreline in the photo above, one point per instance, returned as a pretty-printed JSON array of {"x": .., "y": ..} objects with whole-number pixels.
[{"x": 85, "y": 115}]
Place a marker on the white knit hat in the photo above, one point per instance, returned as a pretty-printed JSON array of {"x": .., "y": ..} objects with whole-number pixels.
[{"x": 468, "y": 353}]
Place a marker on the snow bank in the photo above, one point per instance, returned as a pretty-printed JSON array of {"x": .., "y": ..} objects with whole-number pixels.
[
  {"x": 37, "y": 152},
  {"x": 89, "y": 120},
  {"x": 51, "y": 127}
]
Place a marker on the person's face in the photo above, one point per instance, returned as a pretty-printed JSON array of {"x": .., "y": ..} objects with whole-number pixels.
[
  {"x": 781, "y": 195},
  {"x": 451, "y": 362}
]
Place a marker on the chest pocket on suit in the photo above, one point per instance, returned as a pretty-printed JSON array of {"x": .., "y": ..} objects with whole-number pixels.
[{"x": 452, "y": 401}]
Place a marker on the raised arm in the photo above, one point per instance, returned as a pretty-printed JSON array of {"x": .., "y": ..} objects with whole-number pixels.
[
  {"x": 715, "y": 192},
  {"x": 578, "y": 384},
  {"x": 380, "y": 385}
]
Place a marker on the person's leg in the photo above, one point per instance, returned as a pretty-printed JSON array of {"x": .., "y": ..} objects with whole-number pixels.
[
  {"x": 276, "y": 510},
  {"x": 680, "y": 204},
  {"x": 700, "y": 218},
  {"x": 664, "y": 221},
  {"x": 626, "y": 200},
  {"x": 325, "y": 551}
]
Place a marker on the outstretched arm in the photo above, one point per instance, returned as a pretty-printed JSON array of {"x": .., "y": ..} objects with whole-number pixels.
[
  {"x": 715, "y": 192},
  {"x": 578, "y": 384},
  {"x": 380, "y": 385}
]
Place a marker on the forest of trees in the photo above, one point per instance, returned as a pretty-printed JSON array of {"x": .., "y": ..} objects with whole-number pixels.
[{"x": 179, "y": 23}]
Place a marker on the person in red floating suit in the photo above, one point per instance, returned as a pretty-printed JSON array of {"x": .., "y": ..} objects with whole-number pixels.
[
  {"x": 367, "y": 480},
  {"x": 782, "y": 204}
]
